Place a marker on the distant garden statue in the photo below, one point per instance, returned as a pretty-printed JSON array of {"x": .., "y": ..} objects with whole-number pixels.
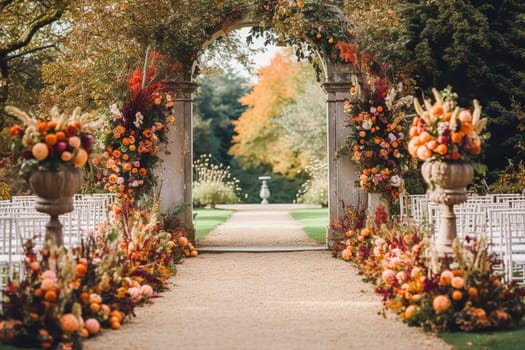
[{"x": 265, "y": 192}]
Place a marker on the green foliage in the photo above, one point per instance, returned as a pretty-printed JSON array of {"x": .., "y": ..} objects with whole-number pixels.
[
  {"x": 510, "y": 180},
  {"x": 500, "y": 340},
  {"x": 27, "y": 39},
  {"x": 205, "y": 139},
  {"x": 217, "y": 106},
  {"x": 314, "y": 222},
  {"x": 213, "y": 183},
  {"x": 315, "y": 189},
  {"x": 310, "y": 27},
  {"x": 378, "y": 29},
  {"x": 282, "y": 189},
  {"x": 413, "y": 182}
]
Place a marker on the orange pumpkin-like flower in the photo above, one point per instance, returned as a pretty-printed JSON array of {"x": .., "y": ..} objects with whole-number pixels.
[
  {"x": 40, "y": 151},
  {"x": 147, "y": 133},
  {"x": 51, "y": 124},
  {"x": 143, "y": 171},
  {"x": 113, "y": 178},
  {"x": 66, "y": 156},
  {"x": 61, "y": 136},
  {"x": 71, "y": 130},
  {"x": 74, "y": 141},
  {"x": 81, "y": 157},
  {"x": 51, "y": 139},
  {"x": 116, "y": 153},
  {"x": 42, "y": 126},
  {"x": 15, "y": 131}
]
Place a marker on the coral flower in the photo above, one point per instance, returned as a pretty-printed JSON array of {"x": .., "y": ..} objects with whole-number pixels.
[
  {"x": 143, "y": 171},
  {"x": 148, "y": 133},
  {"x": 116, "y": 153},
  {"x": 113, "y": 178},
  {"x": 74, "y": 141}
]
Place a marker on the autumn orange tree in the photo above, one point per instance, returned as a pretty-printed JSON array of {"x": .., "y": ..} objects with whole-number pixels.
[{"x": 261, "y": 135}]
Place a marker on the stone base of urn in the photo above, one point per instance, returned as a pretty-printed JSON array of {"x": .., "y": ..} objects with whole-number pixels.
[
  {"x": 55, "y": 190},
  {"x": 447, "y": 185}
]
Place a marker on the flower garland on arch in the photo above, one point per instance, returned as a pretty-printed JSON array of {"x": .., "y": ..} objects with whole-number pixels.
[
  {"x": 134, "y": 136},
  {"x": 375, "y": 117}
]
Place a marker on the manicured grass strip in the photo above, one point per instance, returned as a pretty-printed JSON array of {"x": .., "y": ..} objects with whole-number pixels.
[
  {"x": 313, "y": 222},
  {"x": 513, "y": 339},
  {"x": 205, "y": 220}
]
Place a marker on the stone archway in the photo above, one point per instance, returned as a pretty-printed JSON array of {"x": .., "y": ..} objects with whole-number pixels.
[{"x": 177, "y": 165}]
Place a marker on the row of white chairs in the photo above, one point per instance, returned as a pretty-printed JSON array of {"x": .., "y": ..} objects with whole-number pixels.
[
  {"x": 499, "y": 217},
  {"x": 19, "y": 221}
]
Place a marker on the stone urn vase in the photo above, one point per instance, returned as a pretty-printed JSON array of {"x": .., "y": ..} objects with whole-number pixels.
[
  {"x": 447, "y": 185},
  {"x": 55, "y": 190}
]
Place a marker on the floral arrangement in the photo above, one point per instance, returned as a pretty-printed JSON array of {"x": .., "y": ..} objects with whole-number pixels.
[
  {"x": 443, "y": 130},
  {"x": 376, "y": 141},
  {"x": 69, "y": 295},
  {"x": 461, "y": 292},
  {"x": 133, "y": 139},
  {"x": 52, "y": 141}
]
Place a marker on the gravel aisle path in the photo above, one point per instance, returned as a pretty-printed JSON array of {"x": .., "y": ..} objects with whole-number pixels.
[
  {"x": 294, "y": 300},
  {"x": 257, "y": 225}
]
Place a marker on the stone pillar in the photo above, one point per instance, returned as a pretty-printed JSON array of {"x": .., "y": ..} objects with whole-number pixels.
[
  {"x": 177, "y": 166},
  {"x": 342, "y": 176}
]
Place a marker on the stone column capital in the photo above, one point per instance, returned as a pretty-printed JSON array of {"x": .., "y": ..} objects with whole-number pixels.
[
  {"x": 332, "y": 87},
  {"x": 182, "y": 89}
]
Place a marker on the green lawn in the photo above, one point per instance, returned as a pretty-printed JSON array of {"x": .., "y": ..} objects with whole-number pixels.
[
  {"x": 313, "y": 221},
  {"x": 206, "y": 220},
  {"x": 502, "y": 340}
]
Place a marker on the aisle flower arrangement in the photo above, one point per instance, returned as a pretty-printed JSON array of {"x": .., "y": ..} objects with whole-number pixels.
[
  {"x": 443, "y": 130},
  {"x": 54, "y": 140},
  {"x": 71, "y": 294},
  {"x": 135, "y": 135},
  {"x": 376, "y": 141},
  {"x": 463, "y": 292}
]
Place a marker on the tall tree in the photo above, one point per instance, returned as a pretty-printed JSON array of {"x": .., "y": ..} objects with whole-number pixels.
[
  {"x": 261, "y": 138},
  {"x": 21, "y": 38},
  {"x": 217, "y": 106}
]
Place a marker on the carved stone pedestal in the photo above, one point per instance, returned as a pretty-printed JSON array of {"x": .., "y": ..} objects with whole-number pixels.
[
  {"x": 447, "y": 185},
  {"x": 55, "y": 191}
]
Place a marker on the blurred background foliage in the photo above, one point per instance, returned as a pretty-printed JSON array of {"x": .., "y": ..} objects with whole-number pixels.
[{"x": 81, "y": 52}]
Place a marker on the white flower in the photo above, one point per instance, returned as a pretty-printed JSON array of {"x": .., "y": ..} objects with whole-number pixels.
[
  {"x": 395, "y": 181},
  {"x": 366, "y": 125},
  {"x": 138, "y": 120},
  {"x": 115, "y": 112},
  {"x": 391, "y": 137}
]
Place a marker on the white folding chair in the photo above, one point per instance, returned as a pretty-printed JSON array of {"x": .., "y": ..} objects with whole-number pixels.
[{"x": 515, "y": 245}]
